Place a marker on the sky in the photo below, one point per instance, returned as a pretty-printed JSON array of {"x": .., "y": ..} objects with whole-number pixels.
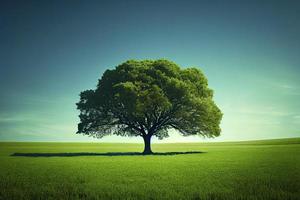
[{"x": 52, "y": 50}]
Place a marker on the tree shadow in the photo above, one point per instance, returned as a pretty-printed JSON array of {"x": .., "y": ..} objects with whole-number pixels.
[{"x": 102, "y": 154}]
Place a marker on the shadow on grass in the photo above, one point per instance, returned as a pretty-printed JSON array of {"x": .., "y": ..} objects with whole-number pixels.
[{"x": 102, "y": 154}]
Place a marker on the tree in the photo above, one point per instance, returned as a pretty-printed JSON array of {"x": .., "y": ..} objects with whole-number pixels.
[{"x": 147, "y": 98}]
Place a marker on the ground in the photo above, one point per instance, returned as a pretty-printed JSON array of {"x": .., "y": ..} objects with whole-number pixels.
[{"x": 243, "y": 170}]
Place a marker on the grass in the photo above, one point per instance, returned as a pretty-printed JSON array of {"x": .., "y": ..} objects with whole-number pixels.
[{"x": 241, "y": 170}]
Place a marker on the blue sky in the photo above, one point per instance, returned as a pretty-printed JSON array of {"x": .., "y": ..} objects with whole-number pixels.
[{"x": 50, "y": 51}]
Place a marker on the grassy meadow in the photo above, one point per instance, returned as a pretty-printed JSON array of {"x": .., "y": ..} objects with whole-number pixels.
[{"x": 267, "y": 169}]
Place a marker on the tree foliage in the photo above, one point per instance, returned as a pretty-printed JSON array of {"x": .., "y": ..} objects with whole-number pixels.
[{"x": 146, "y": 98}]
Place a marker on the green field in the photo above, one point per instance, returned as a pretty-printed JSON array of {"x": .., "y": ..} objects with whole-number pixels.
[{"x": 238, "y": 170}]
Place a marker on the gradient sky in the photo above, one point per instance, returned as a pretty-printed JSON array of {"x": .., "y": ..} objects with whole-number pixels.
[{"x": 50, "y": 51}]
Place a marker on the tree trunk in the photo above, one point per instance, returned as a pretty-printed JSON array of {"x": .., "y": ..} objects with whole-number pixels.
[{"x": 147, "y": 142}]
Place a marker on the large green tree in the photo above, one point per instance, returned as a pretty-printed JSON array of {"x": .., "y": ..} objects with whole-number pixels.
[{"x": 147, "y": 98}]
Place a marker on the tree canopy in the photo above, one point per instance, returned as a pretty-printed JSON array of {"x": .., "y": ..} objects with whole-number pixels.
[{"x": 147, "y": 98}]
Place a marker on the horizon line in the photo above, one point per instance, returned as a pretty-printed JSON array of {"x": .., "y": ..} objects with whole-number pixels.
[{"x": 228, "y": 141}]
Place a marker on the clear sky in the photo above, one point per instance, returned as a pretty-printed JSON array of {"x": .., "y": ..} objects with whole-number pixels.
[{"x": 52, "y": 50}]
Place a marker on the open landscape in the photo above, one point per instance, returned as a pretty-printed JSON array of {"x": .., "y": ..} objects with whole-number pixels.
[
  {"x": 265, "y": 169},
  {"x": 149, "y": 100}
]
